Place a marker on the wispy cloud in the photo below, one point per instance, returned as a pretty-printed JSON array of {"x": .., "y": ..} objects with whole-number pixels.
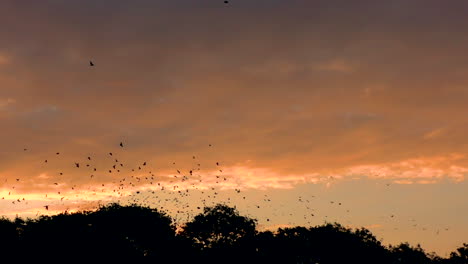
[
  {"x": 435, "y": 133},
  {"x": 336, "y": 65},
  {"x": 4, "y": 103},
  {"x": 4, "y": 59}
]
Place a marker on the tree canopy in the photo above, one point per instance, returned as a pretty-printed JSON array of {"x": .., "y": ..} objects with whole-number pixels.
[
  {"x": 219, "y": 226},
  {"x": 217, "y": 235}
]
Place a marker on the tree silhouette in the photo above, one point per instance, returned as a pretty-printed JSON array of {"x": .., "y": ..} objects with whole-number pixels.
[
  {"x": 9, "y": 237},
  {"x": 219, "y": 226},
  {"x": 221, "y": 234},
  {"x": 406, "y": 254},
  {"x": 320, "y": 245},
  {"x": 143, "y": 231},
  {"x": 112, "y": 233},
  {"x": 460, "y": 256},
  {"x": 136, "y": 234}
]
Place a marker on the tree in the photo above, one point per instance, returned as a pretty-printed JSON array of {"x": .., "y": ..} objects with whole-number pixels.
[
  {"x": 9, "y": 237},
  {"x": 112, "y": 233},
  {"x": 329, "y": 243},
  {"x": 219, "y": 226},
  {"x": 460, "y": 256},
  {"x": 137, "y": 234},
  {"x": 406, "y": 254}
]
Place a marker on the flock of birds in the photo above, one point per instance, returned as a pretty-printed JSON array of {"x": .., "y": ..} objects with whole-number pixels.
[
  {"x": 130, "y": 183},
  {"x": 177, "y": 193}
]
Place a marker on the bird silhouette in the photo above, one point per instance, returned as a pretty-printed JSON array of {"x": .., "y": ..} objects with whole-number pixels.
[{"x": 91, "y": 63}]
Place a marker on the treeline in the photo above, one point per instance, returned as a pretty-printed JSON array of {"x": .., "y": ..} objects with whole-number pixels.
[{"x": 136, "y": 234}]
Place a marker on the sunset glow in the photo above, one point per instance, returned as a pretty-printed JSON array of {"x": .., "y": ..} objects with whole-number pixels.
[{"x": 302, "y": 112}]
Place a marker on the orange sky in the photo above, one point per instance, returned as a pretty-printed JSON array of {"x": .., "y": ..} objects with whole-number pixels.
[{"x": 291, "y": 95}]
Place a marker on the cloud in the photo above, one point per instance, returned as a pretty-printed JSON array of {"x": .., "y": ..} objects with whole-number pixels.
[
  {"x": 4, "y": 103},
  {"x": 434, "y": 133},
  {"x": 373, "y": 226},
  {"x": 313, "y": 97},
  {"x": 336, "y": 65},
  {"x": 4, "y": 59},
  {"x": 424, "y": 170}
]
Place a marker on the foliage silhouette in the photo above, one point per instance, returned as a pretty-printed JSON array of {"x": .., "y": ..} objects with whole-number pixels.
[
  {"x": 406, "y": 254},
  {"x": 219, "y": 226},
  {"x": 136, "y": 234},
  {"x": 112, "y": 233},
  {"x": 320, "y": 245},
  {"x": 219, "y": 232},
  {"x": 461, "y": 255}
]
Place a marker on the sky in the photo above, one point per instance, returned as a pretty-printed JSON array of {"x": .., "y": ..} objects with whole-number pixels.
[{"x": 347, "y": 111}]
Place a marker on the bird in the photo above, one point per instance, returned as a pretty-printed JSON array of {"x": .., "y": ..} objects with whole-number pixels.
[
  {"x": 121, "y": 144},
  {"x": 226, "y": 2},
  {"x": 46, "y": 207},
  {"x": 77, "y": 165},
  {"x": 91, "y": 63}
]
